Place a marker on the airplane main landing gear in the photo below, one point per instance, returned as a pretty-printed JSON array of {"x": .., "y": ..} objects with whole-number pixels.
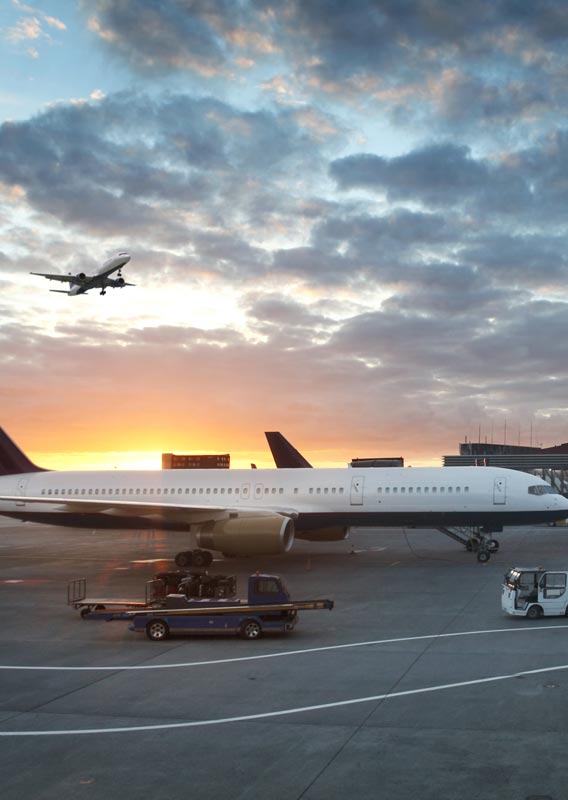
[{"x": 194, "y": 558}]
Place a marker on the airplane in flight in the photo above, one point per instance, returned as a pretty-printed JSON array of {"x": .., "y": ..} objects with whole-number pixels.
[
  {"x": 81, "y": 283},
  {"x": 260, "y": 512}
]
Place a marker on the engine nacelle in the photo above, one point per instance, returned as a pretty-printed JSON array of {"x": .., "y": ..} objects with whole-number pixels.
[
  {"x": 120, "y": 281},
  {"x": 269, "y": 534},
  {"x": 324, "y": 535},
  {"x": 81, "y": 276}
]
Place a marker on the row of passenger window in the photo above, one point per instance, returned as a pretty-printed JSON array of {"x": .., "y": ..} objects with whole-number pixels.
[
  {"x": 131, "y": 491},
  {"x": 138, "y": 491},
  {"x": 421, "y": 489}
]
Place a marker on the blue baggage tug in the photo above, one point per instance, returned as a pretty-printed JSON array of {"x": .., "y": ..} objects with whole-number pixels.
[
  {"x": 267, "y": 609},
  {"x": 203, "y": 604}
]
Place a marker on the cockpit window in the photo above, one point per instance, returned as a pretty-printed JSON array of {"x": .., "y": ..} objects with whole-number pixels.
[{"x": 542, "y": 489}]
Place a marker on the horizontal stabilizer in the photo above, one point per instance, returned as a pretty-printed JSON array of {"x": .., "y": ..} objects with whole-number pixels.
[
  {"x": 59, "y": 291},
  {"x": 285, "y": 455}
]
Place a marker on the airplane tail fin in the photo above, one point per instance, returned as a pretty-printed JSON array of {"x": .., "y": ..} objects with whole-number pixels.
[
  {"x": 285, "y": 455},
  {"x": 12, "y": 460}
]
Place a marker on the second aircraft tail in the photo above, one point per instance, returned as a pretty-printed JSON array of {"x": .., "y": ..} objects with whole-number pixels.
[{"x": 12, "y": 460}]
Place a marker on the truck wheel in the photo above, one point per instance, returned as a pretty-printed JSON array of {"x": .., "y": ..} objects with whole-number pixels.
[
  {"x": 534, "y": 612},
  {"x": 250, "y": 629},
  {"x": 483, "y": 556},
  {"x": 157, "y": 630}
]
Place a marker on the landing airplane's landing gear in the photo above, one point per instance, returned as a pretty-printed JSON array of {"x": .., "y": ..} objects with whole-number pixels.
[
  {"x": 194, "y": 558},
  {"x": 103, "y": 291}
]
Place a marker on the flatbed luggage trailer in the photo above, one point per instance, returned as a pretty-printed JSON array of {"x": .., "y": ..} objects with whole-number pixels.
[
  {"x": 196, "y": 584},
  {"x": 268, "y": 608},
  {"x": 534, "y": 592},
  {"x": 105, "y": 608}
]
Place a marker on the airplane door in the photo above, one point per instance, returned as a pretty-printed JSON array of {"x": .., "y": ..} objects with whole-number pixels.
[
  {"x": 245, "y": 491},
  {"x": 357, "y": 490},
  {"x": 499, "y": 491},
  {"x": 22, "y": 483}
]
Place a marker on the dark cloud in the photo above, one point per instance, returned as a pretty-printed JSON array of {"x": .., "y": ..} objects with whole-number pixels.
[
  {"x": 437, "y": 175},
  {"x": 132, "y": 163},
  {"x": 459, "y": 65}
]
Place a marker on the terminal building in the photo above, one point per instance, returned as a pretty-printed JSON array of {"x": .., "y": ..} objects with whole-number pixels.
[
  {"x": 173, "y": 461},
  {"x": 550, "y": 463}
]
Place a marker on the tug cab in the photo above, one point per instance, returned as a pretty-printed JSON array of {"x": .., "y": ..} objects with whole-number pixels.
[{"x": 535, "y": 592}]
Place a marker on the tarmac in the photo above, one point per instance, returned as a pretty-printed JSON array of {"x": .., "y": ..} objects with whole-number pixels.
[{"x": 415, "y": 686}]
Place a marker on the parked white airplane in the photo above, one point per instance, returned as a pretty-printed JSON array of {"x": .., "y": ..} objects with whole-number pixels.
[
  {"x": 81, "y": 283},
  {"x": 242, "y": 512}
]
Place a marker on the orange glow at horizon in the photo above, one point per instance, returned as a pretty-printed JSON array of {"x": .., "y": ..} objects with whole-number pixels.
[{"x": 152, "y": 460}]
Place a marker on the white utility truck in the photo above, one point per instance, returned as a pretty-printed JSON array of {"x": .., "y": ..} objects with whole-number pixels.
[{"x": 535, "y": 592}]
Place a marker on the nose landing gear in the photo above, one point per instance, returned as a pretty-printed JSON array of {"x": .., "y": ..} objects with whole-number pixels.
[{"x": 475, "y": 539}]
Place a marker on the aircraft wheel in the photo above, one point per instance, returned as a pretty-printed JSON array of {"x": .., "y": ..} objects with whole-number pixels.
[
  {"x": 483, "y": 556},
  {"x": 157, "y": 630},
  {"x": 184, "y": 559},
  {"x": 201, "y": 558},
  {"x": 493, "y": 545},
  {"x": 534, "y": 612},
  {"x": 250, "y": 629}
]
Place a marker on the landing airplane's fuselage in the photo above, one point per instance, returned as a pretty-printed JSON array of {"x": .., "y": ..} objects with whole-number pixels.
[
  {"x": 101, "y": 278},
  {"x": 315, "y": 499}
]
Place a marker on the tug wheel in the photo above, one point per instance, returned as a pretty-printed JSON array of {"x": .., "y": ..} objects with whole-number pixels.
[
  {"x": 157, "y": 630},
  {"x": 250, "y": 629},
  {"x": 534, "y": 612},
  {"x": 483, "y": 556}
]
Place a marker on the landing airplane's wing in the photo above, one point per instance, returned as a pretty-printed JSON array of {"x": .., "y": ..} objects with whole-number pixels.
[
  {"x": 116, "y": 283},
  {"x": 68, "y": 278}
]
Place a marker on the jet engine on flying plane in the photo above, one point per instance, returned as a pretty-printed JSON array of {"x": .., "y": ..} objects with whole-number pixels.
[{"x": 268, "y": 534}]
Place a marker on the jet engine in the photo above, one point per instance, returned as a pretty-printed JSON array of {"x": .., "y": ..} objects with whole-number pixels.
[
  {"x": 268, "y": 534},
  {"x": 120, "y": 281},
  {"x": 81, "y": 276},
  {"x": 324, "y": 535}
]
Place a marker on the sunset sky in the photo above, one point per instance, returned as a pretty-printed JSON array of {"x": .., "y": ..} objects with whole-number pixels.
[{"x": 347, "y": 221}]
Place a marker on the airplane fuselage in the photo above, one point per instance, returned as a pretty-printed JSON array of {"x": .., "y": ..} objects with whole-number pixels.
[
  {"x": 101, "y": 278},
  {"x": 313, "y": 498}
]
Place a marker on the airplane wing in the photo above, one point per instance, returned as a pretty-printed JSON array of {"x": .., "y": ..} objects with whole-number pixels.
[
  {"x": 116, "y": 283},
  {"x": 175, "y": 511},
  {"x": 68, "y": 278}
]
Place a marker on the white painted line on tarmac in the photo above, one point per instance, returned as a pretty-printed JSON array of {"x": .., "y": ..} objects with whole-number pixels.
[
  {"x": 270, "y": 714},
  {"x": 121, "y": 667}
]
